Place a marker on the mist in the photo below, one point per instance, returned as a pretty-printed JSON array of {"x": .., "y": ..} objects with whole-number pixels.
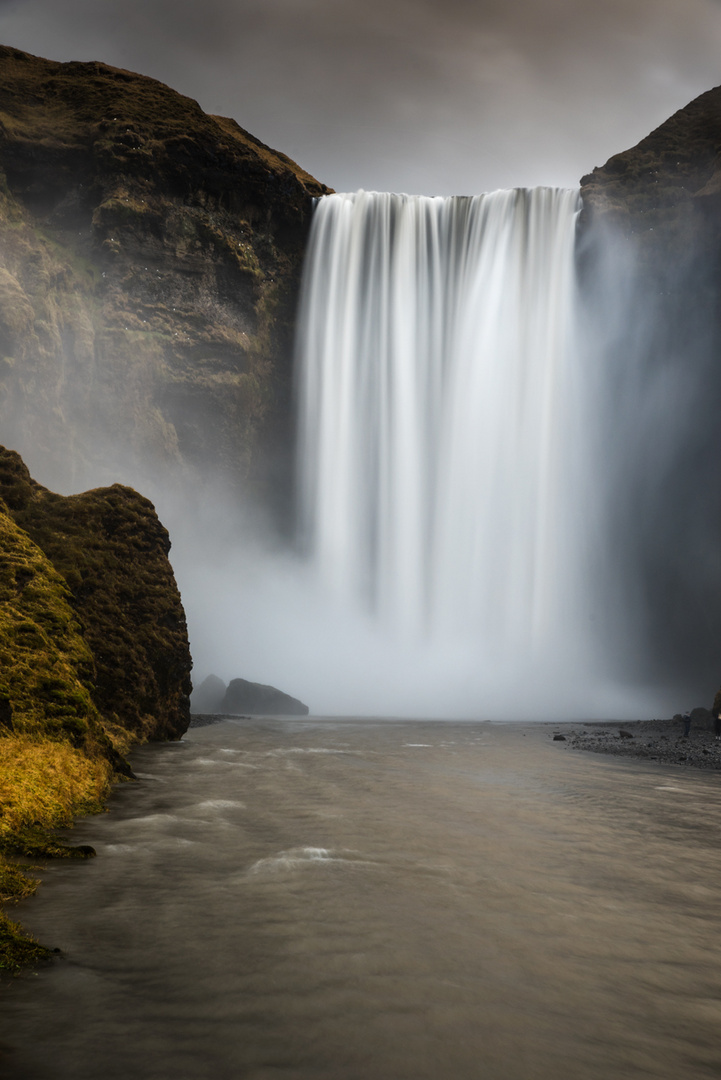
[
  {"x": 626, "y": 633},
  {"x": 267, "y": 619},
  {"x": 652, "y": 345},
  {"x": 645, "y": 514},
  {"x": 639, "y": 635}
]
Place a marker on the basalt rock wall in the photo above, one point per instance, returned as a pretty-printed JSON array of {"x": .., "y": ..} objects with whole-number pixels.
[{"x": 149, "y": 266}]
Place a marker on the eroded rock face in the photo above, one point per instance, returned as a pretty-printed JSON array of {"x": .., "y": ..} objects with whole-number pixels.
[
  {"x": 109, "y": 592},
  {"x": 149, "y": 264}
]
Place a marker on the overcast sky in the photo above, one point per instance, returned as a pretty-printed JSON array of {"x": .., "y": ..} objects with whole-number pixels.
[{"x": 432, "y": 96}]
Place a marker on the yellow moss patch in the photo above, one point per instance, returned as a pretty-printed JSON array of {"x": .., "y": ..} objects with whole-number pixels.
[
  {"x": 54, "y": 763},
  {"x": 47, "y": 784}
]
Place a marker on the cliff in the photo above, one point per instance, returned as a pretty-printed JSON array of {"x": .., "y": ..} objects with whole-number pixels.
[
  {"x": 93, "y": 657},
  {"x": 669, "y": 183},
  {"x": 112, "y": 553},
  {"x": 149, "y": 265},
  {"x": 650, "y": 254}
]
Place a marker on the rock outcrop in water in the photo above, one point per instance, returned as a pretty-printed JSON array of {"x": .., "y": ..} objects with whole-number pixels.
[
  {"x": 93, "y": 657},
  {"x": 255, "y": 698},
  {"x": 149, "y": 264},
  {"x": 208, "y": 696},
  {"x": 241, "y": 697}
]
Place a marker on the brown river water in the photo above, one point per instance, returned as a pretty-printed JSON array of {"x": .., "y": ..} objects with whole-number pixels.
[{"x": 380, "y": 900}]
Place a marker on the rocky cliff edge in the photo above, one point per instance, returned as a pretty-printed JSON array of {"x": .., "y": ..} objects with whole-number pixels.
[{"x": 150, "y": 259}]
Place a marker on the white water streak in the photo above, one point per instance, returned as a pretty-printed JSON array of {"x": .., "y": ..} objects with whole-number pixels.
[{"x": 440, "y": 417}]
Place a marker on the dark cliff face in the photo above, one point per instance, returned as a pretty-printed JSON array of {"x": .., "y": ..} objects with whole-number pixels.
[
  {"x": 676, "y": 166},
  {"x": 650, "y": 256},
  {"x": 149, "y": 266},
  {"x": 111, "y": 554},
  {"x": 665, "y": 193}
]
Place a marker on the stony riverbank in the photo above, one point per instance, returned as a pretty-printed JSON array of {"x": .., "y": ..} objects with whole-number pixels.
[{"x": 653, "y": 740}]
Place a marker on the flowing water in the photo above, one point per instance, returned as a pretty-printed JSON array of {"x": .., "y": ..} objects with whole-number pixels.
[
  {"x": 347, "y": 900},
  {"x": 447, "y": 486}
]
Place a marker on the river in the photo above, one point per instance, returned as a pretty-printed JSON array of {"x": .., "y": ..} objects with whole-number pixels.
[{"x": 340, "y": 899}]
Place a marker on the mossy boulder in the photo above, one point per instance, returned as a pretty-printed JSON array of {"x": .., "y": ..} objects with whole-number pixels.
[{"x": 110, "y": 556}]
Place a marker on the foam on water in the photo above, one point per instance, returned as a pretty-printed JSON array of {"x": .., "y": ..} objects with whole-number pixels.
[
  {"x": 221, "y": 804},
  {"x": 305, "y": 856}
]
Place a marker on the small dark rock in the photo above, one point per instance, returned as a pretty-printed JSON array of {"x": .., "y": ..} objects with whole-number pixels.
[
  {"x": 624, "y": 734},
  {"x": 6, "y": 712},
  {"x": 82, "y": 851},
  {"x": 559, "y": 738}
]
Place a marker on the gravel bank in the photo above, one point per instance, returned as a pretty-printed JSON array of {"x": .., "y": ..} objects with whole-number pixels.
[{"x": 655, "y": 740}]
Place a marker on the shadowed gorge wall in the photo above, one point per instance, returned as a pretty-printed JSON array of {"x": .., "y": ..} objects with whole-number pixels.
[
  {"x": 149, "y": 262},
  {"x": 650, "y": 252}
]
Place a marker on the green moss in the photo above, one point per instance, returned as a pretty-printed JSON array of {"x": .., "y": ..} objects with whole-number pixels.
[
  {"x": 45, "y": 660},
  {"x": 18, "y": 949}
]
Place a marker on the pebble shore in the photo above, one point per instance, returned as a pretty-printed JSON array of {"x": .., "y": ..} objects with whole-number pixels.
[{"x": 653, "y": 740}]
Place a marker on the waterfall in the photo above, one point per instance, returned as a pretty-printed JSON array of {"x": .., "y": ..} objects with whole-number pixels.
[{"x": 444, "y": 489}]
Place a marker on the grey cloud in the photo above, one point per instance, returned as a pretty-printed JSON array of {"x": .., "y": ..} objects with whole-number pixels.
[{"x": 408, "y": 94}]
